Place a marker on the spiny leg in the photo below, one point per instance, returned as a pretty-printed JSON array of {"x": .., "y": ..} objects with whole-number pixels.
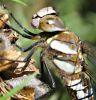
[
  {"x": 22, "y": 27},
  {"x": 29, "y": 34},
  {"x": 28, "y": 58},
  {"x": 18, "y": 23},
  {"x": 23, "y": 35},
  {"x": 33, "y": 48},
  {"x": 44, "y": 64}
]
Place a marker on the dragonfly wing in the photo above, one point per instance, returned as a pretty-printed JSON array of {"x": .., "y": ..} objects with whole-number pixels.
[
  {"x": 94, "y": 89},
  {"x": 90, "y": 51}
]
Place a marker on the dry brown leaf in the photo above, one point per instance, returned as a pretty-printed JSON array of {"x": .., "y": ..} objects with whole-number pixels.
[
  {"x": 4, "y": 88},
  {"x": 26, "y": 93},
  {"x": 9, "y": 54},
  {"x": 12, "y": 35},
  {"x": 38, "y": 87},
  {"x": 30, "y": 66}
]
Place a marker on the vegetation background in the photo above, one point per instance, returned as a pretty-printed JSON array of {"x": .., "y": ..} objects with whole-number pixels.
[{"x": 78, "y": 15}]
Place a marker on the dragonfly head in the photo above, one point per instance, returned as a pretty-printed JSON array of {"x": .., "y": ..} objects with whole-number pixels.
[{"x": 46, "y": 19}]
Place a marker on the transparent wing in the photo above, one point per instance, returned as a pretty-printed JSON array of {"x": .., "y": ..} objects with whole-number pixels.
[
  {"x": 94, "y": 88},
  {"x": 90, "y": 51}
]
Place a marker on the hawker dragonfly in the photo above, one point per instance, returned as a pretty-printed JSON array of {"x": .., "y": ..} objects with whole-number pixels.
[{"x": 65, "y": 50}]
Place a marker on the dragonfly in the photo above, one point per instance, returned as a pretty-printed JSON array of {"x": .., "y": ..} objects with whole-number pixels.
[{"x": 65, "y": 50}]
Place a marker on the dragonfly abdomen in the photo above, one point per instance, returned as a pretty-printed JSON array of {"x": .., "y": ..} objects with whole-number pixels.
[{"x": 80, "y": 88}]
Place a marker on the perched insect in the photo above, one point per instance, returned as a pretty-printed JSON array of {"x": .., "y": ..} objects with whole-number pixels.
[{"x": 65, "y": 50}]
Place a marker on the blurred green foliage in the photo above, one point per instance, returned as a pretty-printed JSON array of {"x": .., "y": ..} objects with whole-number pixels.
[
  {"x": 78, "y": 15},
  {"x": 20, "y": 2}
]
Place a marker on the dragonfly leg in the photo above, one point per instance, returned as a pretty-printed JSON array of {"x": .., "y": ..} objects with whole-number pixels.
[
  {"x": 23, "y": 35},
  {"x": 45, "y": 65},
  {"x": 30, "y": 47},
  {"x": 21, "y": 26},
  {"x": 33, "y": 48}
]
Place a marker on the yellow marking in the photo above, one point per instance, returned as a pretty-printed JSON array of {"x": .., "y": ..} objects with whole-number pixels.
[{"x": 49, "y": 40}]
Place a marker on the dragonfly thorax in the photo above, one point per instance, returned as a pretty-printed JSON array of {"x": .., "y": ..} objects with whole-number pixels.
[{"x": 67, "y": 44}]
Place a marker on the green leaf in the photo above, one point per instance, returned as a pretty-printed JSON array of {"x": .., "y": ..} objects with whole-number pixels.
[
  {"x": 20, "y": 2},
  {"x": 18, "y": 87}
]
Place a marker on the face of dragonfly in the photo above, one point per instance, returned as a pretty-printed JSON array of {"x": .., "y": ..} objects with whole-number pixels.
[{"x": 47, "y": 20}]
